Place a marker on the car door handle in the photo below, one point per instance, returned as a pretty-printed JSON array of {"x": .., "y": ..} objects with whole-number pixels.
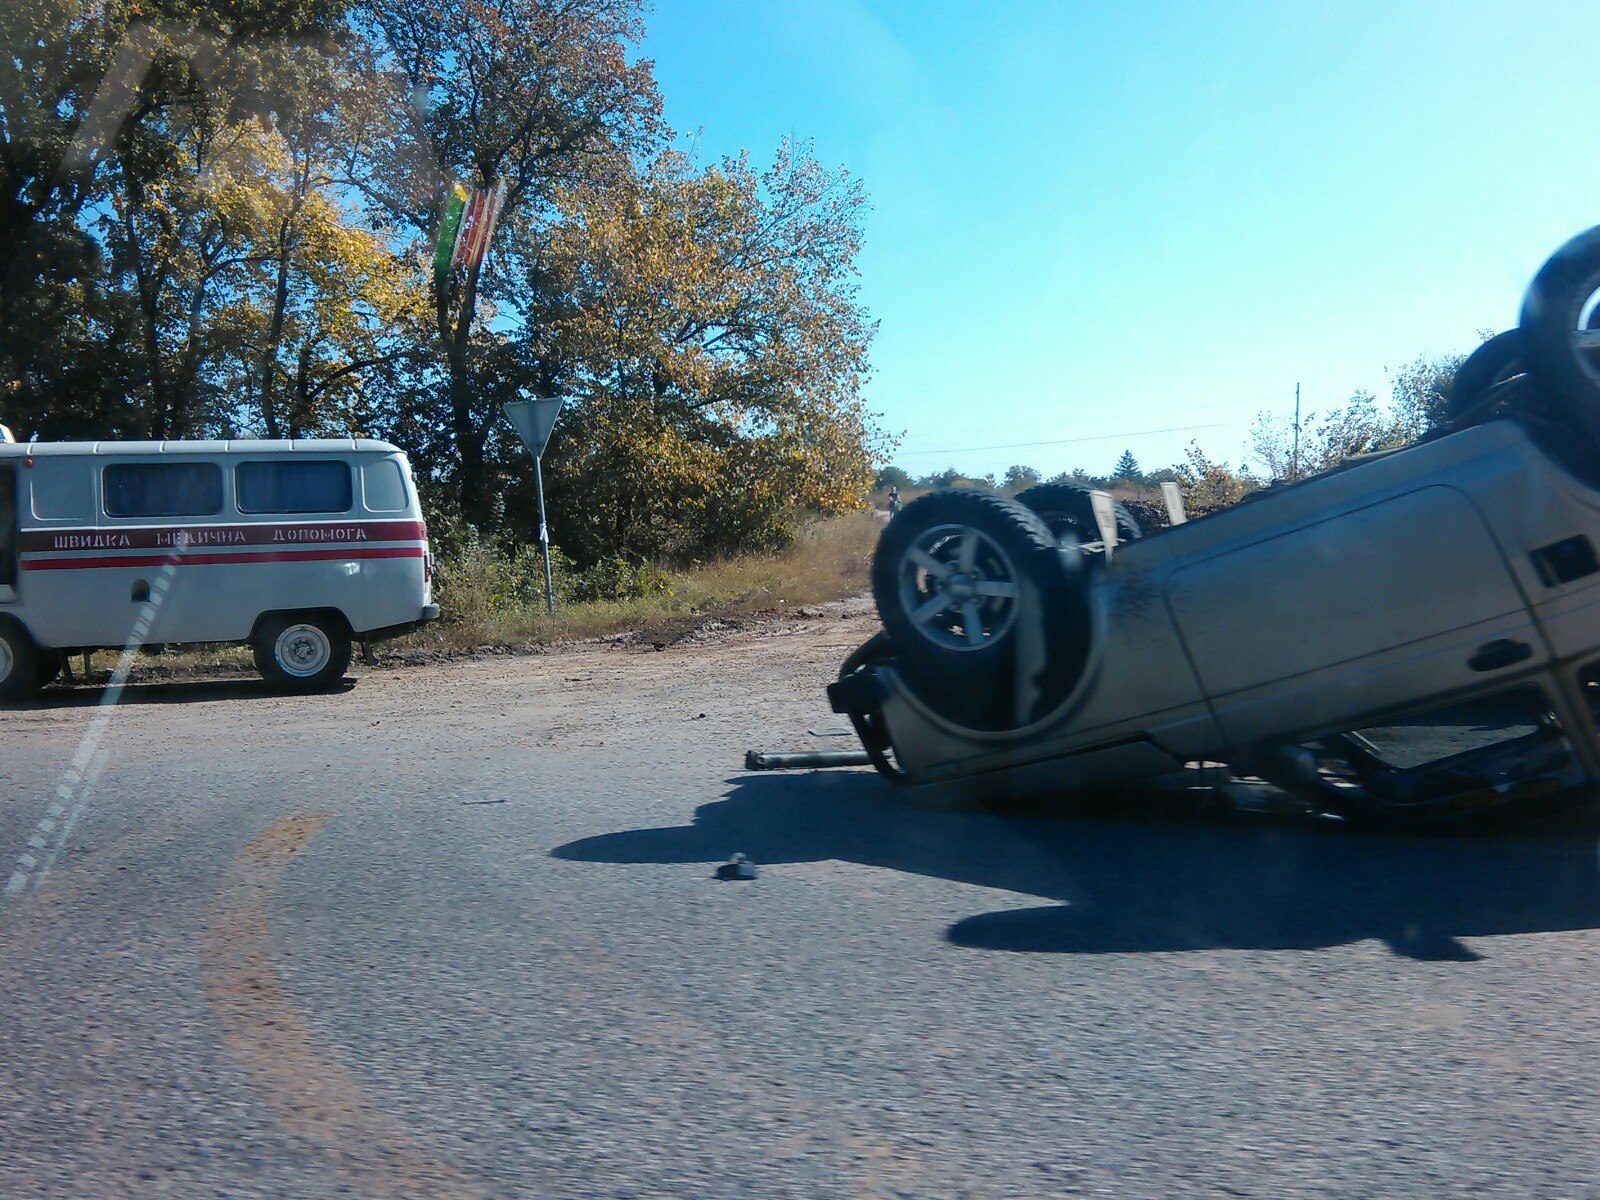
[{"x": 1502, "y": 653}]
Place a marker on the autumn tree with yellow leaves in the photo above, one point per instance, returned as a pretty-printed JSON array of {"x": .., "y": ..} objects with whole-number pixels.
[
  {"x": 216, "y": 219},
  {"x": 706, "y": 325}
]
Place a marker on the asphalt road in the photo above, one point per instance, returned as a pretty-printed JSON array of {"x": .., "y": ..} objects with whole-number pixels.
[{"x": 453, "y": 932}]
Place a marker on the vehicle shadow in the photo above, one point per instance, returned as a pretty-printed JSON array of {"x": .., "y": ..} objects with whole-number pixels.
[
  {"x": 166, "y": 691},
  {"x": 1153, "y": 879}
]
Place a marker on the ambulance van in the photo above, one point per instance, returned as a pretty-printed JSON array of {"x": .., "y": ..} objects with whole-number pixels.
[{"x": 295, "y": 548}]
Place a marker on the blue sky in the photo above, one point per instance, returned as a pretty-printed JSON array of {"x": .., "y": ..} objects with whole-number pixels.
[{"x": 1093, "y": 220}]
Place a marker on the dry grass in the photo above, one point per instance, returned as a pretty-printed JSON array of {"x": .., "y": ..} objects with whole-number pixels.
[{"x": 829, "y": 559}]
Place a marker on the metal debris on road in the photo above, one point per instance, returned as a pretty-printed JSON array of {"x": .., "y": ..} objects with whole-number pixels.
[
  {"x": 737, "y": 867},
  {"x": 801, "y": 760}
]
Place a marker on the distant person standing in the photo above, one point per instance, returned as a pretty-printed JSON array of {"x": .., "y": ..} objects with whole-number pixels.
[{"x": 894, "y": 501}]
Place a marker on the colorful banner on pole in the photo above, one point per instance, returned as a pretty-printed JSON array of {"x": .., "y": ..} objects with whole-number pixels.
[
  {"x": 449, "y": 227},
  {"x": 477, "y": 227},
  {"x": 467, "y": 228}
]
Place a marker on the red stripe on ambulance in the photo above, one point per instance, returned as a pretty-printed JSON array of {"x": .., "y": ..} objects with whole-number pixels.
[
  {"x": 163, "y": 537},
  {"x": 200, "y": 558}
]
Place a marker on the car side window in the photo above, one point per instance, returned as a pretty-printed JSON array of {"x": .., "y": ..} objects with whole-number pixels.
[
  {"x": 1467, "y": 752},
  {"x": 1460, "y": 728},
  {"x": 180, "y": 489}
]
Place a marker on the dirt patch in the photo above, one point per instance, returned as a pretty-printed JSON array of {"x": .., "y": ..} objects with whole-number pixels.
[{"x": 693, "y": 629}]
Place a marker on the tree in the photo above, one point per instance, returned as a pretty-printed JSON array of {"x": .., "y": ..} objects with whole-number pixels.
[
  {"x": 1127, "y": 468},
  {"x": 131, "y": 157},
  {"x": 891, "y": 477},
  {"x": 541, "y": 96},
  {"x": 1420, "y": 388},
  {"x": 1208, "y": 484},
  {"x": 710, "y": 332},
  {"x": 1019, "y": 477},
  {"x": 1359, "y": 426},
  {"x": 217, "y": 219}
]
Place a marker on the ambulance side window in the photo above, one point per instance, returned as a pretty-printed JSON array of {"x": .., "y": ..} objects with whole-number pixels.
[
  {"x": 383, "y": 488},
  {"x": 304, "y": 486},
  {"x": 61, "y": 489},
  {"x": 192, "y": 489}
]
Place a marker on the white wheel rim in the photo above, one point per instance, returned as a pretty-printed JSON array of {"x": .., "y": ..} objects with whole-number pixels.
[
  {"x": 302, "y": 651},
  {"x": 8, "y": 660},
  {"x": 1585, "y": 339},
  {"x": 958, "y": 587}
]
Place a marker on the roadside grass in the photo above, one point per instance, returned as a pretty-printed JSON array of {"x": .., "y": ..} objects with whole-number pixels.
[{"x": 829, "y": 559}]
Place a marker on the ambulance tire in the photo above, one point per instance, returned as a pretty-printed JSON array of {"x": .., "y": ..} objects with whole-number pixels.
[
  {"x": 18, "y": 661},
  {"x": 301, "y": 652}
]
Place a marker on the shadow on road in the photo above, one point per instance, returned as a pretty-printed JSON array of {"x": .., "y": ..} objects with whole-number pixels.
[
  {"x": 1158, "y": 881},
  {"x": 193, "y": 691}
]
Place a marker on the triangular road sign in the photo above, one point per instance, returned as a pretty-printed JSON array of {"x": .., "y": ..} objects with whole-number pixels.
[{"x": 534, "y": 419}]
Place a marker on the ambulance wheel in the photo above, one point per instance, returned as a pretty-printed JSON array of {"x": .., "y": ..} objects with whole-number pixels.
[
  {"x": 301, "y": 652},
  {"x": 18, "y": 661}
]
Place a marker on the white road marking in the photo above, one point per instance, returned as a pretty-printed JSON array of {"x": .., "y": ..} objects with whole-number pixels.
[{"x": 79, "y": 779}]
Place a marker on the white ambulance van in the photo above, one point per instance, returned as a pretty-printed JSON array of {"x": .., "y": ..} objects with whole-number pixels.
[{"x": 296, "y": 548}]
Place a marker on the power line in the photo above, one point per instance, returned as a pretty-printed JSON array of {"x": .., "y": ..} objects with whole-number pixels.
[{"x": 1104, "y": 437}]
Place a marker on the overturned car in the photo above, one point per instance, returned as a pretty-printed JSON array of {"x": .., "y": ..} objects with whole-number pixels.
[{"x": 1412, "y": 635}]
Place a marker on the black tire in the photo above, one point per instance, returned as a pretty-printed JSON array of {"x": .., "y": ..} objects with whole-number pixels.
[
  {"x": 1066, "y": 510},
  {"x": 301, "y": 652},
  {"x": 1027, "y": 602},
  {"x": 1494, "y": 362},
  {"x": 19, "y": 661},
  {"x": 47, "y": 666},
  {"x": 1553, "y": 318}
]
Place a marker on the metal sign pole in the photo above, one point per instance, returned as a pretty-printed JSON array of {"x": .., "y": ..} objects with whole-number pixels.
[
  {"x": 544, "y": 536},
  {"x": 534, "y": 419}
]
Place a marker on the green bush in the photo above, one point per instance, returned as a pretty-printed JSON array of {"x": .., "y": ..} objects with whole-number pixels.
[{"x": 616, "y": 578}]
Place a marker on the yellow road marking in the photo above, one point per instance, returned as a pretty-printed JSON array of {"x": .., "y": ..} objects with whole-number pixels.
[{"x": 315, "y": 1096}]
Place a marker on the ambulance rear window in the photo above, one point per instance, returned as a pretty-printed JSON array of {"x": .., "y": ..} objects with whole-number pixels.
[
  {"x": 293, "y": 487},
  {"x": 180, "y": 489}
]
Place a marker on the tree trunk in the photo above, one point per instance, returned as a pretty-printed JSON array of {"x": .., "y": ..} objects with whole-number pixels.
[
  {"x": 470, "y": 486},
  {"x": 269, "y": 350}
]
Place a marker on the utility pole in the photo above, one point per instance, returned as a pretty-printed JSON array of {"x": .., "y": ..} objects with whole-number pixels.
[{"x": 1294, "y": 468}]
